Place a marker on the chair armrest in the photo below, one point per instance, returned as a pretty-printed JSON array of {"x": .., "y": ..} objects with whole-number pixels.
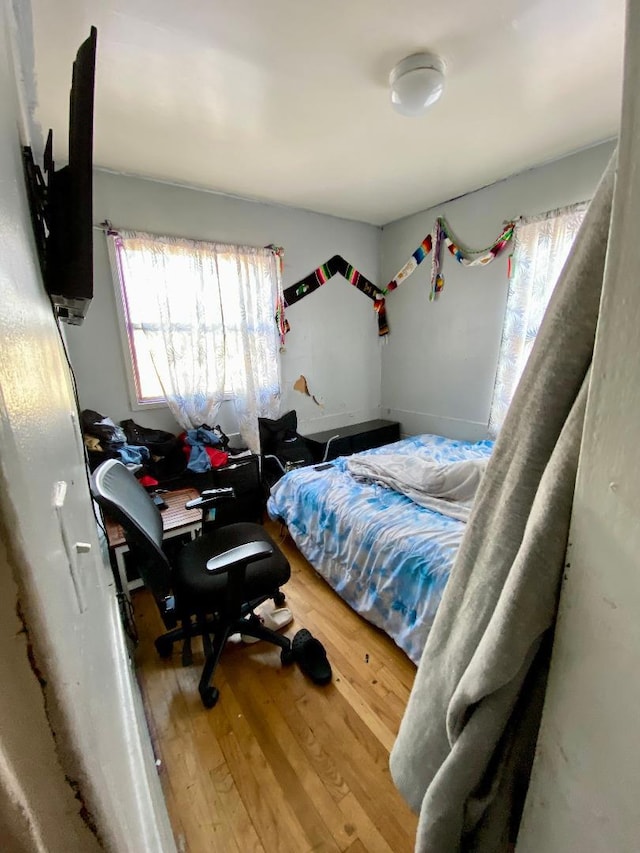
[
  {"x": 242, "y": 555},
  {"x": 209, "y": 497},
  {"x": 326, "y": 447},
  {"x": 275, "y": 459}
]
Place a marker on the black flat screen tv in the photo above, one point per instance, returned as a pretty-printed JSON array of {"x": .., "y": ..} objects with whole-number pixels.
[{"x": 62, "y": 206}]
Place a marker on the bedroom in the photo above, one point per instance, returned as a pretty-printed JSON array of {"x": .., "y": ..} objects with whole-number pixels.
[{"x": 335, "y": 326}]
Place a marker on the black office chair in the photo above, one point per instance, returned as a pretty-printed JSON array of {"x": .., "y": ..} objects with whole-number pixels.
[
  {"x": 282, "y": 448},
  {"x": 214, "y": 582}
]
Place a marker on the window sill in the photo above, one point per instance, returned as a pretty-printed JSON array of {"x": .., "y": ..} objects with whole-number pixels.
[
  {"x": 138, "y": 406},
  {"x": 141, "y": 406}
]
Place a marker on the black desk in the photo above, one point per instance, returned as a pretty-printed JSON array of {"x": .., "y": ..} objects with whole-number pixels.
[{"x": 353, "y": 438}]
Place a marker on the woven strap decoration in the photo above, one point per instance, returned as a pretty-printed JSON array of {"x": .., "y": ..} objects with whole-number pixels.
[
  {"x": 432, "y": 242},
  {"x": 463, "y": 256},
  {"x": 337, "y": 265},
  {"x": 414, "y": 261}
]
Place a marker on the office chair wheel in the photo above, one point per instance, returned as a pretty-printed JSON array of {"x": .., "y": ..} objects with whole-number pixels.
[
  {"x": 164, "y": 647},
  {"x": 209, "y": 696},
  {"x": 286, "y": 656},
  {"x": 279, "y": 598}
]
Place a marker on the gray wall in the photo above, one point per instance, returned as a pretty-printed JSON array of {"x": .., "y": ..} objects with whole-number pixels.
[
  {"x": 439, "y": 367},
  {"x": 333, "y": 339}
]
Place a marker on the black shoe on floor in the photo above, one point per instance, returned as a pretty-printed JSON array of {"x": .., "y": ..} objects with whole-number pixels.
[{"x": 311, "y": 657}]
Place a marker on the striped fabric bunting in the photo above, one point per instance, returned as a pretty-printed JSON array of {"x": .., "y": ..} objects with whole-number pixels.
[
  {"x": 334, "y": 266},
  {"x": 485, "y": 256},
  {"x": 414, "y": 261},
  {"x": 431, "y": 243}
]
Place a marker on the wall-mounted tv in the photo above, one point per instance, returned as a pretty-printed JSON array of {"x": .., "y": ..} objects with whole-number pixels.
[{"x": 62, "y": 206}]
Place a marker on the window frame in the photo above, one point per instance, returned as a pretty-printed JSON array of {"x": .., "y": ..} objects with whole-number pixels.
[
  {"x": 126, "y": 339},
  {"x": 128, "y": 353},
  {"x": 579, "y": 208}
]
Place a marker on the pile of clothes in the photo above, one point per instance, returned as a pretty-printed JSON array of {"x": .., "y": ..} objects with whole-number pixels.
[
  {"x": 205, "y": 448},
  {"x": 154, "y": 455}
]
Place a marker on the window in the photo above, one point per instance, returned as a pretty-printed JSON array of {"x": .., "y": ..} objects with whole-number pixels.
[
  {"x": 542, "y": 244},
  {"x": 199, "y": 322}
]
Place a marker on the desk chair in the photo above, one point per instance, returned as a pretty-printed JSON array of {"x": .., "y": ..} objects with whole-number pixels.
[
  {"x": 213, "y": 583},
  {"x": 282, "y": 448}
]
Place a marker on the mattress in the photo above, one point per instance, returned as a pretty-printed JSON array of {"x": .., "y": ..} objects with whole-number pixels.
[{"x": 387, "y": 557}]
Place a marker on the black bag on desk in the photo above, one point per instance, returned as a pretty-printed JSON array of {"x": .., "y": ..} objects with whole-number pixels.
[
  {"x": 159, "y": 441},
  {"x": 168, "y": 463},
  {"x": 102, "y": 428}
]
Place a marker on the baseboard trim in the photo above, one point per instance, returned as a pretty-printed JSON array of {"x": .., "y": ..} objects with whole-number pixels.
[{"x": 417, "y": 423}]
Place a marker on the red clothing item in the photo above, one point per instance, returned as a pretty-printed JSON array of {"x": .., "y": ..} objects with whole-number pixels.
[
  {"x": 147, "y": 481},
  {"x": 218, "y": 458}
]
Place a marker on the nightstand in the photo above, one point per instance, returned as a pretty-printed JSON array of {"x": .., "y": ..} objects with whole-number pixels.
[{"x": 353, "y": 438}]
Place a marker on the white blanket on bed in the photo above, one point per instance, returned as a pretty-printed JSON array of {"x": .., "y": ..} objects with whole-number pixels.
[{"x": 448, "y": 489}]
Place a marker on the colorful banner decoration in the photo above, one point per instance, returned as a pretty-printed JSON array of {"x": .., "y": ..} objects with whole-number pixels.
[
  {"x": 437, "y": 281},
  {"x": 281, "y": 321},
  {"x": 338, "y": 265},
  {"x": 486, "y": 256},
  {"x": 414, "y": 261}
]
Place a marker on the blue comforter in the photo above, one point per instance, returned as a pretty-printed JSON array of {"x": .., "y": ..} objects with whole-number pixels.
[{"x": 386, "y": 556}]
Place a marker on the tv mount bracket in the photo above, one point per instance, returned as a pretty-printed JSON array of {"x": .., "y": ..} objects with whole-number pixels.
[{"x": 38, "y": 195}]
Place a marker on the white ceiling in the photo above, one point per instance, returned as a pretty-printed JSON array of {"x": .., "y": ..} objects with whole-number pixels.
[{"x": 287, "y": 100}]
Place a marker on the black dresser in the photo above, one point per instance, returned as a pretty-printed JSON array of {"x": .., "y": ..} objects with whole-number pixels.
[{"x": 353, "y": 438}]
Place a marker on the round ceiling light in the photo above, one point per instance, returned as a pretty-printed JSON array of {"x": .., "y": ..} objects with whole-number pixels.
[{"x": 416, "y": 83}]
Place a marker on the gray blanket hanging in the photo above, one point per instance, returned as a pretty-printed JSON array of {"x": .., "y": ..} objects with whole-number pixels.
[{"x": 463, "y": 754}]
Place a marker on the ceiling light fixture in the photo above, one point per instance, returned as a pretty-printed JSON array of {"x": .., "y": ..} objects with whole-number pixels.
[{"x": 416, "y": 83}]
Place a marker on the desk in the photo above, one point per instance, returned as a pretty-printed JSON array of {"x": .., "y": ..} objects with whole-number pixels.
[
  {"x": 353, "y": 438},
  {"x": 176, "y": 521}
]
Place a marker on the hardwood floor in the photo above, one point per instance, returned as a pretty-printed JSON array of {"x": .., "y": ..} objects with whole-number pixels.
[{"x": 281, "y": 764}]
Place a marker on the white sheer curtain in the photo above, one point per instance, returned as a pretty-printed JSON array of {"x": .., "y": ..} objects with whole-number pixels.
[
  {"x": 542, "y": 244},
  {"x": 205, "y": 315},
  {"x": 253, "y": 343}
]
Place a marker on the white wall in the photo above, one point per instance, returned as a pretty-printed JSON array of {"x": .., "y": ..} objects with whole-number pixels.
[
  {"x": 585, "y": 785},
  {"x": 439, "y": 367},
  {"x": 70, "y": 675},
  {"x": 333, "y": 339}
]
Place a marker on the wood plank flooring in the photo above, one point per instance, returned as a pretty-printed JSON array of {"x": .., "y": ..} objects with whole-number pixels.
[{"x": 281, "y": 764}]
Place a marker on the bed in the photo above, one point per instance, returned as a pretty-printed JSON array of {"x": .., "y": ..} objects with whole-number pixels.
[{"x": 385, "y": 555}]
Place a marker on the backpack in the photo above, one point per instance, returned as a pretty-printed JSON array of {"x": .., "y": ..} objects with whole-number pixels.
[
  {"x": 159, "y": 441},
  {"x": 281, "y": 438}
]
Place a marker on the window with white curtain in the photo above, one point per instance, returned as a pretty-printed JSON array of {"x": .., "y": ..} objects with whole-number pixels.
[
  {"x": 199, "y": 321},
  {"x": 542, "y": 244}
]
